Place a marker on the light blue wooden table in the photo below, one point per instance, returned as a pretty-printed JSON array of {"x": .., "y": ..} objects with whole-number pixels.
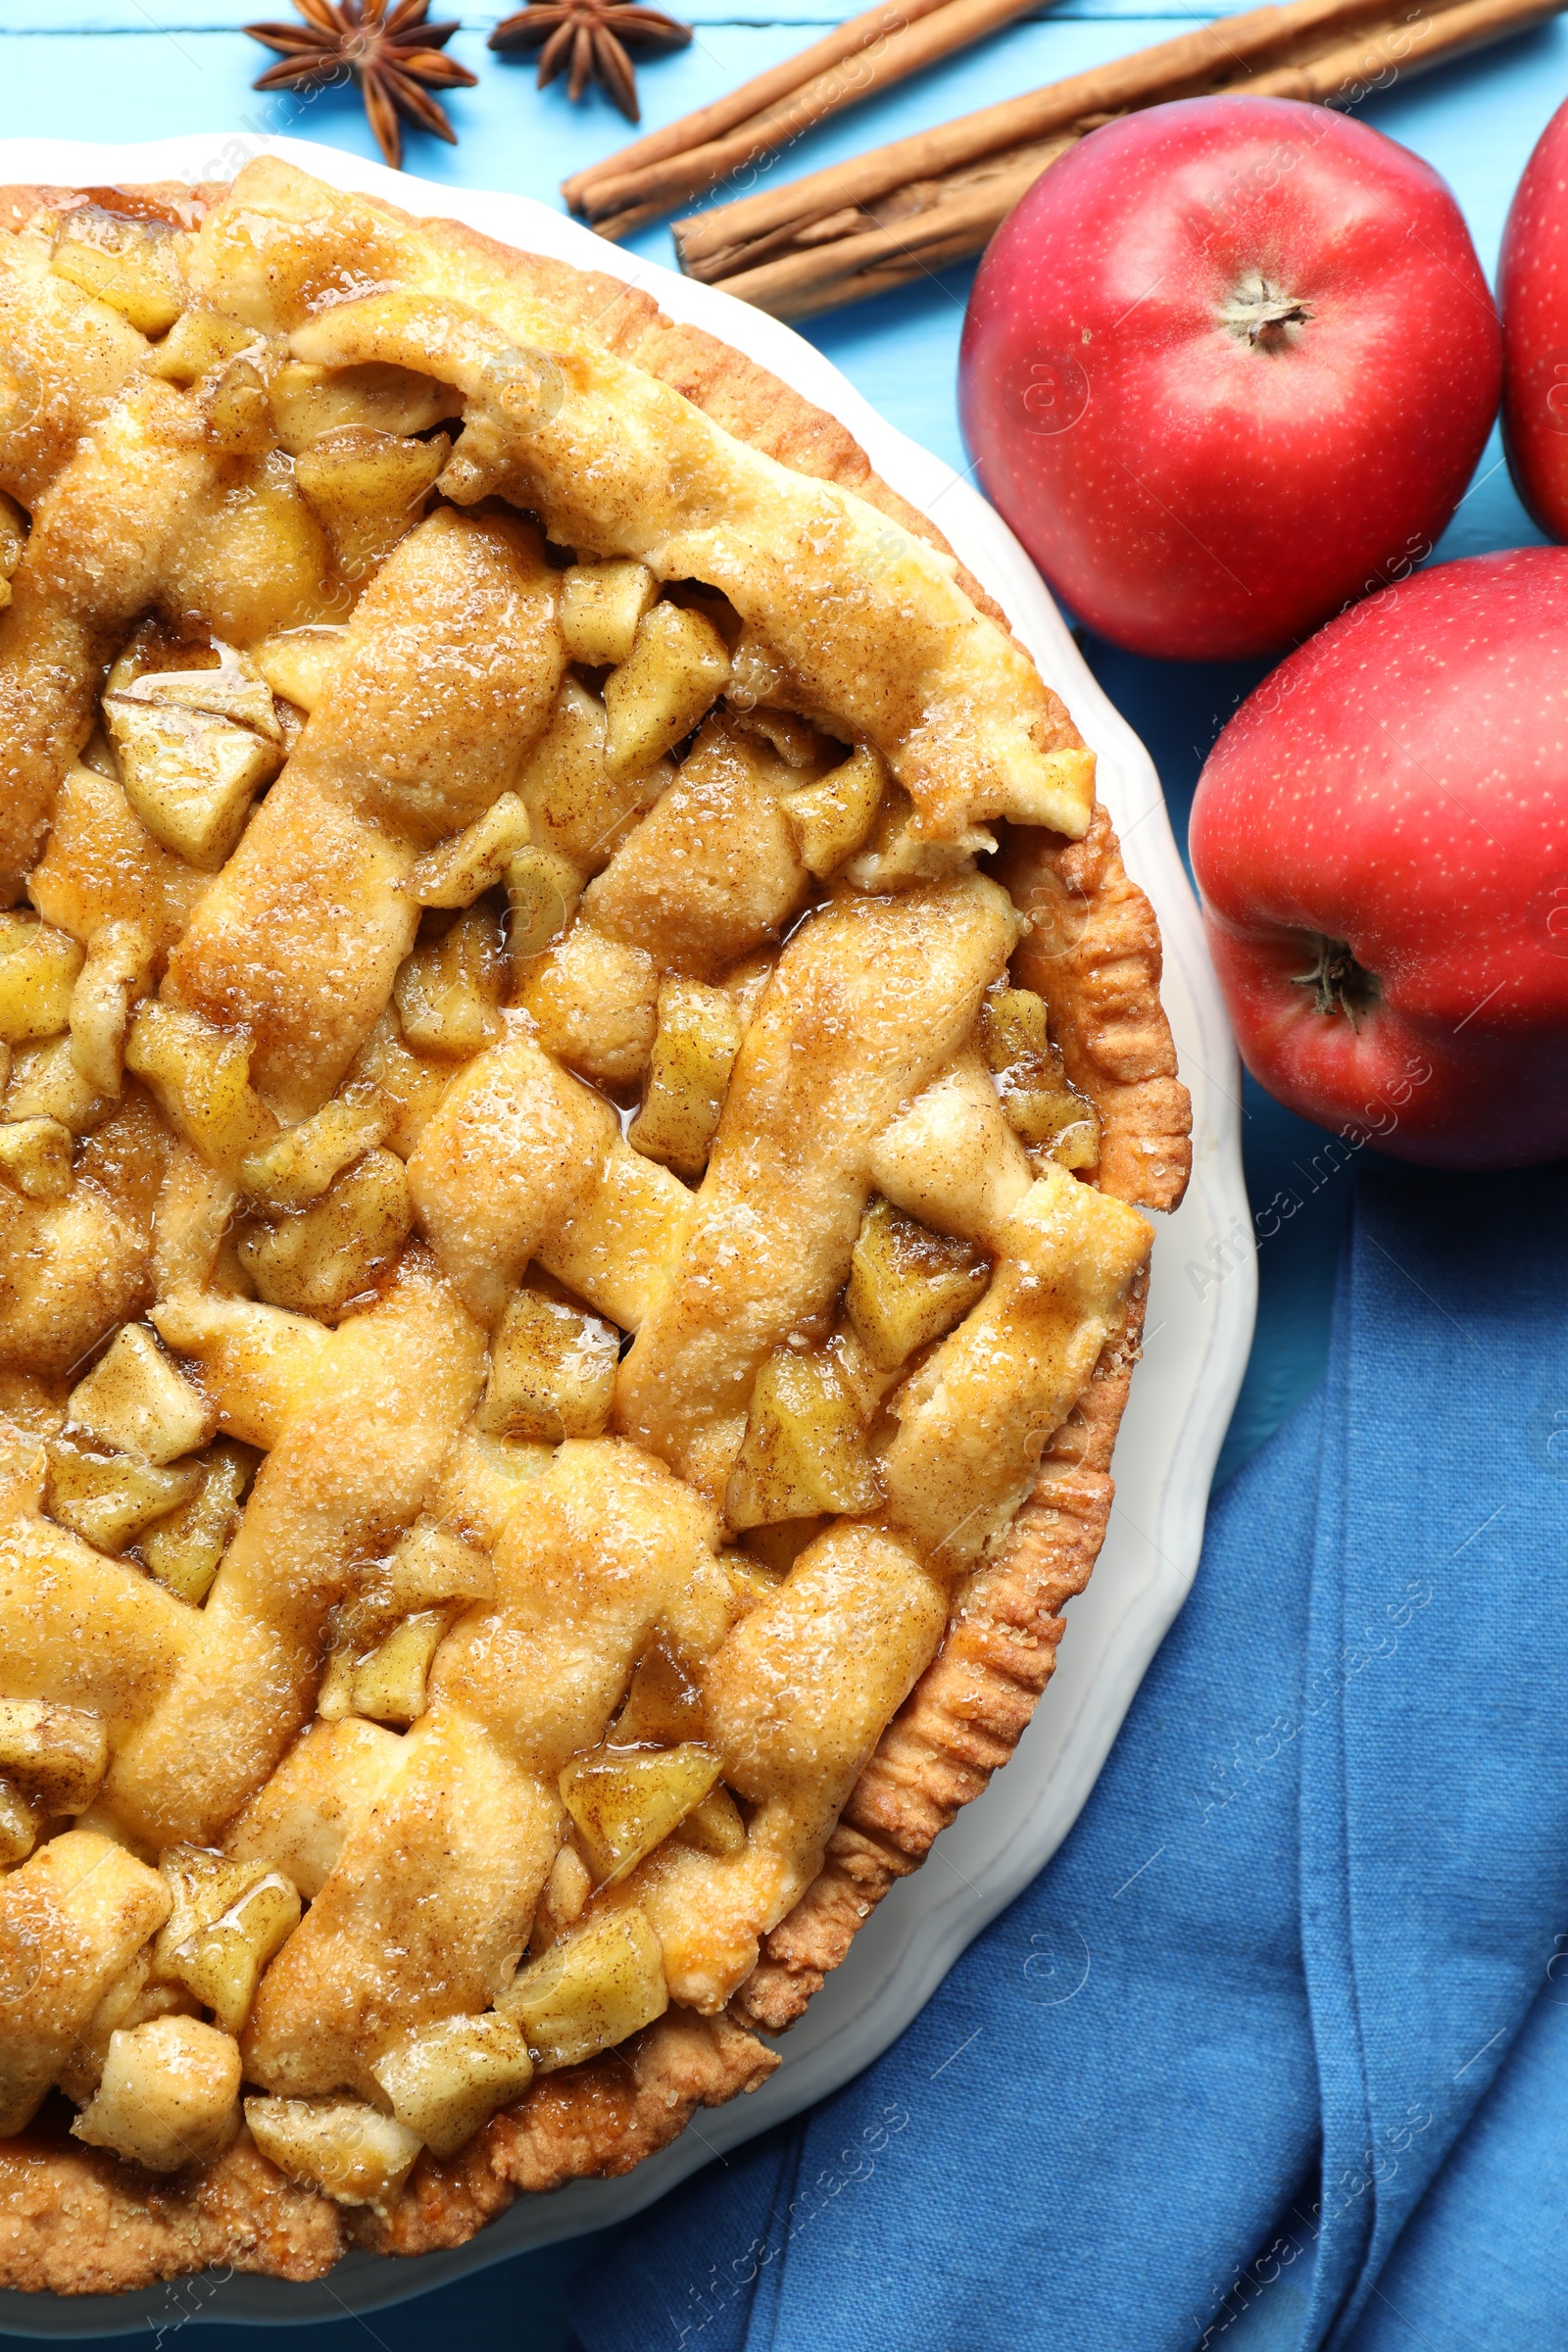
[{"x": 147, "y": 69}]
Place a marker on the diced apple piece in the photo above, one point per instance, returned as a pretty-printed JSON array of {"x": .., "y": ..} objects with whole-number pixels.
[
  {"x": 804, "y": 1446},
  {"x": 895, "y": 857},
  {"x": 430, "y": 1565},
  {"x": 56, "y": 1756},
  {"x": 199, "y": 341},
  {"x": 308, "y": 401},
  {"x": 715, "y": 1824},
  {"x": 390, "y": 1685},
  {"x": 38, "y": 967},
  {"x": 448, "y": 992},
  {"x": 388, "y": 1634},
  {"x": 1077, "y": 1143},
  {"x": 234, "y": 689},
  {"x": 677, "y": 667},
  {"x": 317, "y": 1260},
  {"x": 168, "y": 2096},
  {"x": 138, "y": 1402},
  {"x": 301, "y": 665},
  {"x": 35, "y": 1158},
  {"x": 19, "y": 1825},
  {"x": 156, "y": 647},
  {"x": 596, "y": 1002},
  {"x": 369, "y": 487},
  {"x": 131, "y": 265},
  {"x": 229, "y": 1920},
  {"x": 109, "y": 1499},
  {"x": 236, "y": 411},
  {"x": 275, "y": 553},
  {"x": 46, "y": 1083},
  {"x": 184, "y": 1550},
  {"x": 663, "y": 1705},
  {"x": 552, "y": 1371},
  {"x": 542, "y": 891},
  {"x": 600, "y": 604},
  {"x": 694, "y": 1046},
  {"x": 907, "y": 1285},
  {"x": 1014, "y": 1030},
  {"x": 201, "y": 1077},
  {"x": 190, "y": 777},
  {"x": 117, "y": 970},
  {"x": 832, "y": 818},
  {"x": 299, "y": 1165},
  {"x": 1041, "y": 1106},
  {"x": 589, "y": 1991},
  {"x": 625, "y": 1801},
  {"x": 349, "y": 2151},
  {"x": 202, "y": 1885},
  {"x": 449, "y": 2079},
  {"x": 221, "y": 1965},
  {"x": 457, "y": 871}
]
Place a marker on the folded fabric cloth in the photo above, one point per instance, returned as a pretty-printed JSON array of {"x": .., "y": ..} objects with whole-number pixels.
[{"x": 1272, "y": 2052}]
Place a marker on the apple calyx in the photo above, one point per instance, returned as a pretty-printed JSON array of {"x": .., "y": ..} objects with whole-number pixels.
[
  {"x": 1338, "y": 984},
  {"x": 1260, "y": 313}
]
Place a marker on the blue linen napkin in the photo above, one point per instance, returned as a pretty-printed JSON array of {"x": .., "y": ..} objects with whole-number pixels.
[{"x": 1273, "y": 2051}]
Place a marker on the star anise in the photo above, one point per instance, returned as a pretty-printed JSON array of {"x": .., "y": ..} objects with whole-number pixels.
[
  {"x": 588, "y": 40},
  {"x": 392, "y": 53}
]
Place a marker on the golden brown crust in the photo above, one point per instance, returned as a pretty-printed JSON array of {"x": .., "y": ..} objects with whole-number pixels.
[
  {"x": 75, "y": 2222},
  {"x": 597, "y": 2120},
  {"x": 737, "y": 392},
  {"x": 967, "y": 1712},
  {"x": 170, "y": 200},
  {"x": 1093, "y": 952}
]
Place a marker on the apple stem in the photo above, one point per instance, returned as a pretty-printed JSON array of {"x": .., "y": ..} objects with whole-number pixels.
[
  {"x": 1338, "y": 983},
  {"x": 1262, "y": 314}
]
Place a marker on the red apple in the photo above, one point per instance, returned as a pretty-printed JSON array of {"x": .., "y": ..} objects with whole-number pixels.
[
  {"x": 1228, "y": 365},
  {"x": 1533, "y": 294},
  {"x": 1381, "y": 840}
]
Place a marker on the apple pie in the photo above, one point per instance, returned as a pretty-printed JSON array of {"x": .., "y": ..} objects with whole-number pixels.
[{"x": 581, "y": 1074}]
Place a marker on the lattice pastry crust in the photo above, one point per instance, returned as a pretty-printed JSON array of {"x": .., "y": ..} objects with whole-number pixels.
[{"x": 582, "y": 1068}]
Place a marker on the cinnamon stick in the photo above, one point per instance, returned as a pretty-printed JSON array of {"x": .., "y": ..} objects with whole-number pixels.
[
  {"x": 1190, "y": 62},
  {"x": 895, "y": 215},
  {"x": 752, "y": 97},
  {"x": 891, "y": 42}
]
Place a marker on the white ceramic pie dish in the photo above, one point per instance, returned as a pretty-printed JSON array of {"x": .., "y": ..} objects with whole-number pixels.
[{"x": 1195, "y": 1351}]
